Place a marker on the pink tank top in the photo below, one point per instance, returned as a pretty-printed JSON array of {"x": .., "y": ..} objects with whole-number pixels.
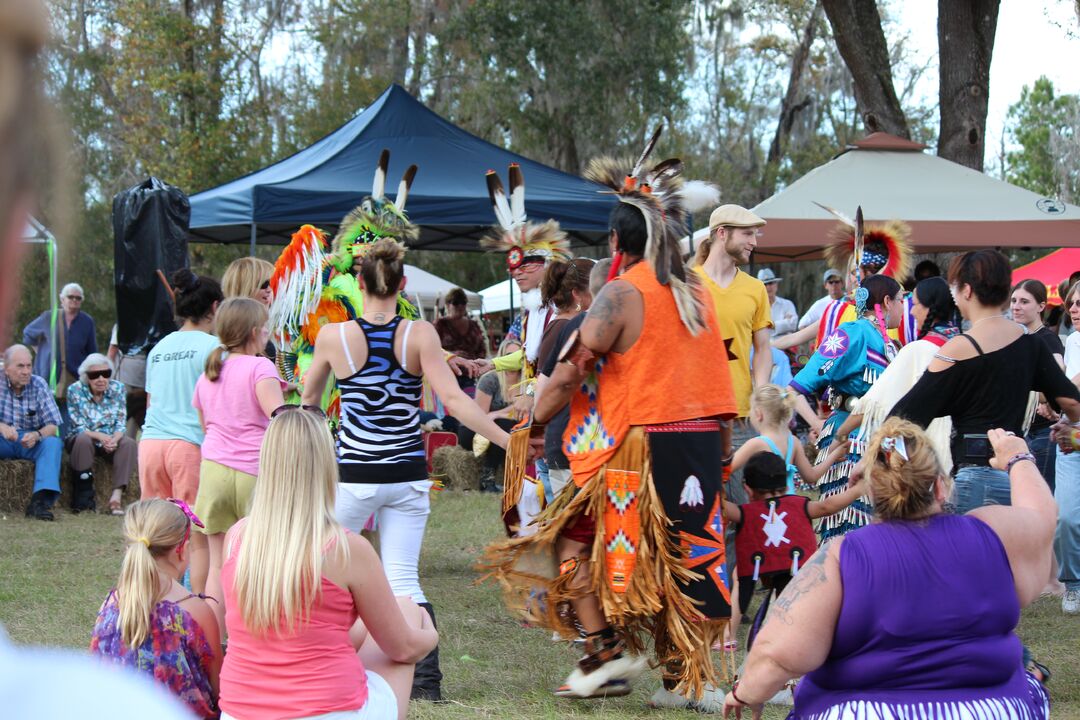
[{"x": 315, "y": 670}]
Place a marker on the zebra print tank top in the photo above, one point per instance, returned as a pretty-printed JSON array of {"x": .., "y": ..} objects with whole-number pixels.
[{"x": 379, "y": 440}]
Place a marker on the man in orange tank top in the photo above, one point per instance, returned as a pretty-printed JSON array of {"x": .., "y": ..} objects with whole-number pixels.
[{"x": 639, "y": 535}]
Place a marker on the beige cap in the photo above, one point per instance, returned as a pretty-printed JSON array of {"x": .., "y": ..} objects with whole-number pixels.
[{"x": 733, "y": 216}]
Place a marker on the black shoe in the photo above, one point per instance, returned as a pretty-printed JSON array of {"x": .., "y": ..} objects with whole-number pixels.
[
  {"x": 427, "y": 678},
  {"x": 83, "y": 497},
  {"x": 39, "y": 507}
]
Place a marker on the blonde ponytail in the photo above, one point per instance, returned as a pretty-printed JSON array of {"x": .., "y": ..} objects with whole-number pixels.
[
  {"x": 236, "y": 319},
  {"x": 704, "y": 247},
  {"x": 777, "y": 404},
  {"x": 152, "y": 528}
]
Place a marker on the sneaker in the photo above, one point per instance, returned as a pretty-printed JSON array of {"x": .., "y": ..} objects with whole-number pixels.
[
  {"x": 1070, "y": 604},
  {"x": 711, "y": 701}
]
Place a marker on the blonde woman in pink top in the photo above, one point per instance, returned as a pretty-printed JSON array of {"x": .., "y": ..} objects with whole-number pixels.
[
  {"x": 301, "y": 595},
  {"x": 235, "y": 396}
]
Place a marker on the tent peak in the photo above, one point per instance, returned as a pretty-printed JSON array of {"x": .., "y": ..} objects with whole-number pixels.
[{"x": 885, "y": 141}]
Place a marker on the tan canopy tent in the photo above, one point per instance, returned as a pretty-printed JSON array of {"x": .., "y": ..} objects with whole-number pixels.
[{"x": 949, "y": 206}]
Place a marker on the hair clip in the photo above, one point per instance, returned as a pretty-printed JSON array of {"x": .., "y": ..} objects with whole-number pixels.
[
  {"x": 187, "y": 511},
  {"x": 894, "y": 444},
  {"x": 861, "y": 296}
]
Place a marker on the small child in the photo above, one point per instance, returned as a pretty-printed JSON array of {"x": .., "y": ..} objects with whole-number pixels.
[
  {"x": 771, "y": 410},
  {"x": 150, "y": 622},
  {"x": 774, "y": 532}
]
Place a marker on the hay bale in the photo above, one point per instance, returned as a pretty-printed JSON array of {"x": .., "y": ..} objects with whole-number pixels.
[
  {"x": 456, "y": 467},
  {"x": 17, "y": 484}
]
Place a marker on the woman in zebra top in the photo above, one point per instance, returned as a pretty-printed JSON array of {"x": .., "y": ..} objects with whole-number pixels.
[{"x": 381, "y": 361}]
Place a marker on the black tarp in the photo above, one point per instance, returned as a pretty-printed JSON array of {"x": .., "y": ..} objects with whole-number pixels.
[{"x": 150, "y": 228}]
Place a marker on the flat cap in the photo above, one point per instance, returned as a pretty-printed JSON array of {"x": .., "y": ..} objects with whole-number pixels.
[{"x": 733, "y": 216}]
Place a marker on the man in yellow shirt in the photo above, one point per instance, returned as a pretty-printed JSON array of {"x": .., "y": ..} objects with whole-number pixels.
[{"x": 741, "y": 301}]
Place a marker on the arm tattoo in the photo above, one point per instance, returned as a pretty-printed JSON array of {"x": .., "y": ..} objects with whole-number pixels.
[
  {"x": 609, "y": 305},
  {"x": 810, "y": 576}
]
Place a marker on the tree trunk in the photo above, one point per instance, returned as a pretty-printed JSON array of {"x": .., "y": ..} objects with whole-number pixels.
[
  {"x": 965, "y": 46},
  {"x": 790, "y": 106},
  {"x": 856, "y": 27}
]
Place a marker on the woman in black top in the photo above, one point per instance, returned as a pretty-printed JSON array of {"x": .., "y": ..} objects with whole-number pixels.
[
  {"x": 1027, "y": 306},
  {"x": 982, "y": 378}
]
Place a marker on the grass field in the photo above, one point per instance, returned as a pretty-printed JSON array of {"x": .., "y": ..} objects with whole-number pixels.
[{"x": 53, "y": 577}]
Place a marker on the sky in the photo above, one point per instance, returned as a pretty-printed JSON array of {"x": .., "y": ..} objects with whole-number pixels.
[{"x": 1034, "y": 37}]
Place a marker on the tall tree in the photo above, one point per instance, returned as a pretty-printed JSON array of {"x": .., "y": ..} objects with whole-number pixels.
[
  {"x": 1046, "y": 127},
  {"x": 857, "y": 29},
  {"x": 966, "y": 31}
]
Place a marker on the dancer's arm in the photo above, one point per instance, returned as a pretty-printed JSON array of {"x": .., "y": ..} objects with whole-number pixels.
[
  {"x": 805, "y": 335},
  {"x": 835, "y": 503},
  {"x": 442, "y": 381},
  {"x": 319, "y": 371},
  {"x": 812, "y": 473}
]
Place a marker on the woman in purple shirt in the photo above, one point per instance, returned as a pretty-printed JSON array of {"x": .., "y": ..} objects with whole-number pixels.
[{"x": 860, "y": 619}]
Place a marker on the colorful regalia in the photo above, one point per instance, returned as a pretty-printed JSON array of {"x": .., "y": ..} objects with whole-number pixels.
[
  {"x": 314, "y": 282},
  {"x": 642, "y": 443},
  {"x": 523, "y": 242},
  {"x": 847, "y": 363}
]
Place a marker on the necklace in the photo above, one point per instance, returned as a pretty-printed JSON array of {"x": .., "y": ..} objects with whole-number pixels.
[{"x": 988, "y": 317}]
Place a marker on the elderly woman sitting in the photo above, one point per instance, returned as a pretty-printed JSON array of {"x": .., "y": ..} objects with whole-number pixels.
[
  {"x": 914, "y": 615},
  {"x": 97, "y": 407}
]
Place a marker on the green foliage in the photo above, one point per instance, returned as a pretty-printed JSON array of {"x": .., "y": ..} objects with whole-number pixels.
[{"x": 1045, "y": 125}]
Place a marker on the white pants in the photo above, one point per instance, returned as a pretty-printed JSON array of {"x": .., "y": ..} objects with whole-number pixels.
[
  {"x": 381, "y": 704},
  {"x": 401, "y": 510}
]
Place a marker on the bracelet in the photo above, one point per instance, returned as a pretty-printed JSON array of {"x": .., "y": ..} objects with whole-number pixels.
[
  {"x": 726, "y": 461},
  {"x": 1019, "y": 457},
  {"x": 736, "y": 697}
]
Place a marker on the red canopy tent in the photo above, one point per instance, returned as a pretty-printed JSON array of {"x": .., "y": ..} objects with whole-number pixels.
[{"x": 1050, "y": 270}]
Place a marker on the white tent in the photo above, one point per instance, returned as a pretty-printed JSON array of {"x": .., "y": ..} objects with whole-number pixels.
[
  {"x": 501, "y": 297},
  {"x": 948, "y": 206},
  {"x": 428, "y": 290}
]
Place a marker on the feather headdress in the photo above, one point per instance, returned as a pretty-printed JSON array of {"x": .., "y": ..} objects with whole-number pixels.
[
  {"x": 664, "y": 199},
  {"x": 520, "y": 239},
  {"x": 376, "y": 217},
  {"x": 886, "y": 246}
]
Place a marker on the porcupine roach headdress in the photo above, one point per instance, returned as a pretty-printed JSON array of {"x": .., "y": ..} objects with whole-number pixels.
[
  {"x": 885, "y": 245},
  {"x": 662, "y": 196},
  {"x": 376, "y": 217},
  {"x": 521, "y": 240}
]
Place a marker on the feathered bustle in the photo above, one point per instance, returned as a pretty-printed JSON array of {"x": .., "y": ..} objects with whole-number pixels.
[
  {"x": 659, "y": 193},
  {"x": 892, "y": 238}
]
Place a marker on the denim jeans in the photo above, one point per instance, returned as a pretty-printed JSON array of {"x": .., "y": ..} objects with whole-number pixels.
[
  {"x": 976, "y": 485},
  {"x": 1045, "y": 457},
  {"x": 46, "y": 458},
  {"x": 1067, "y": 537}
]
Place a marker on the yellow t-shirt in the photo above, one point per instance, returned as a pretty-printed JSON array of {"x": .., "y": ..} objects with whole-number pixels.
[{"x": 742, "y": 309}]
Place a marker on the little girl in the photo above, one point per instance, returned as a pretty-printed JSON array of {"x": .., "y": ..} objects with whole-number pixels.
[
  {"x": 235, "y": 396},
  {"x": 150, "y": 622},
  {"x": 771, "y": 410}
]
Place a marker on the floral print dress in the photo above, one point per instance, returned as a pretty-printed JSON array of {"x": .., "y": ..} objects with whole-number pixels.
[{"x": 176, "y": 653}]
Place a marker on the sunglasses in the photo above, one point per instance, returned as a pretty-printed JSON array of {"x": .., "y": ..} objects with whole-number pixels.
[
  {"x": 835, "y": 281},
  {"x": 1075, "y": 302},
  {"x": 95, "y": 374},
  {"x": 459, "y": 304},
  {"x": 265, "y": 285},
  {"x": 287, "y": 407}
]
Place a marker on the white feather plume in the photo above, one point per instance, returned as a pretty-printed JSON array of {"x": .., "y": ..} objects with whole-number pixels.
[{"x": 699, "y": 195}]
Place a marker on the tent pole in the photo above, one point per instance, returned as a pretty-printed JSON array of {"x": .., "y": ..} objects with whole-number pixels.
[{"x": 254, "y": 230}]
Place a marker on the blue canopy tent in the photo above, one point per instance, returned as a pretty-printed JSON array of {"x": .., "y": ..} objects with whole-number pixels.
[{"x": 449, "y": 197}]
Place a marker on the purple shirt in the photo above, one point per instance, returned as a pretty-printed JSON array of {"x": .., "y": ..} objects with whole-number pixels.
[{"x": 928, "y": 615}]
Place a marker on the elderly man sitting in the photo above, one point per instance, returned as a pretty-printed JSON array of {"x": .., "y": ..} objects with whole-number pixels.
[
  {"x": 97, "y": 406},
  {"x": 29, "y": 422}
]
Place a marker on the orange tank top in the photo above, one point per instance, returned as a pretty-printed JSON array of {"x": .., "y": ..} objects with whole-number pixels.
[{"x": 668, "y": 375}]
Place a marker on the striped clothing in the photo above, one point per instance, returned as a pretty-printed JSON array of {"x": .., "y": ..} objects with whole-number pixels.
[{"x": 379, "y": 440}]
